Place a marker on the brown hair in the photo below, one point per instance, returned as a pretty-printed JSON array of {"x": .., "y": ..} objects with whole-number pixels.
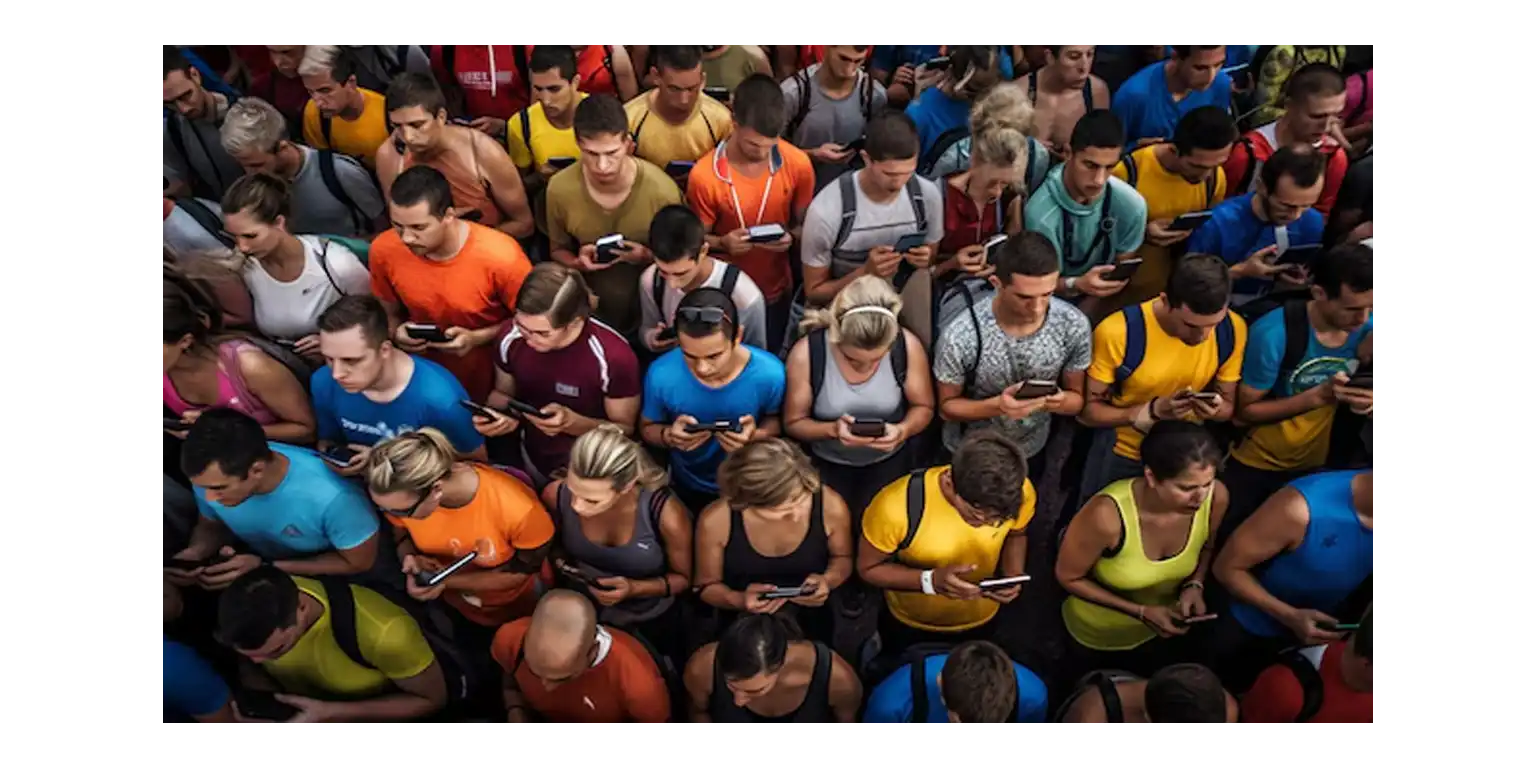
[
  {"x": 978, "y": 684},
  {"x": 558, "y": 291},
  {"x": 766, "y": 473},
  {"x": 989, "y": 472}
]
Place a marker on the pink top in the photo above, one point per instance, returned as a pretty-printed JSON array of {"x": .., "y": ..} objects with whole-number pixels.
[
  {"x": 232, "y": 390},
  {"x": 1358, "y": 98}
]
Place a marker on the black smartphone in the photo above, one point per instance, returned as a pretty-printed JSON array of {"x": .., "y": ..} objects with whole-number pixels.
[
  {"x": 908, "y": 242},
  {"x": 1330, "y": 627},
  {"x": 527, "y": 409},
  {"x": 991, "y": 245},
  {"x": 176, "y": 425},
  {"x": 723, "y": 425},
  {"x": 187, "y": 565},
  {"x": 427, "y": 579},
  {"x": 988, "y": 585},
  {"x": 609, "y": 248},
  {"x": 1360, "y": 379},
  {"x": 263, "y": 705},
  {"x": 855, "y": 145},
  {"x": 679, "y": 168},
  {"x": 338, "y": 455},
  {"x": 561, "y": 162},
  {"x": 937, "y": 62},
  {"x": 289, "y": 343},
  {"x": 778, "y": 593},
  {"x": 1189, "y": 221},
  {"x": 1123, "y": 270},
  {"x": 478, "y": 409},
  {"x": 1209, "y": 397},
  {"x": 1036, "y": 388},
  {"x": 765, "y": 233},
  {"x": 867, "y": 428},
  {"x": 1300, "y": 255},
  {"x": 583, "y": 577},
  {"x": 425, "y": 332},
  {"x": 717, "y": 92},
  {"x": 666, "y": 334}
]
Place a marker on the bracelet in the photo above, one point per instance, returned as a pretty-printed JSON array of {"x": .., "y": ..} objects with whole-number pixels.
[
  {"x": 1070, "y": 284},
  {"x": 928, "y": 583},
  {"x": 1141, "y": 613},
  {"x": 666, "y": 583},
  {"x": 1193, "y": 583}
]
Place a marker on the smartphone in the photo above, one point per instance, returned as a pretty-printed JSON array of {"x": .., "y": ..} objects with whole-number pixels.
[
  {"x": 561, "y": 162},
  {"x": 765, "y": 233},
  {"x": 855, "y": 145},
  {"x": 1360, "y": 379},
  {"x": 993, "y": 243},
  {"x": 666, "y": 334},
  {"x": 263, "y": 705},
  {"x": 288, "y": 343},
  {"x": 1209, "y": 397},
  {"x": 464, "y": 121},
  {"x": 1036, "y": 388},
  {"x": 187, "y": 565},
  {"x": 908, "y": 242},
  {"x": 679, "y": 168},
  {"x": 1003, "y": 583},
  {"x": 937, "y": 62},
  {"x": 723, "y": 425},
  {"x": 717, "y": 92},
  {"x": 427, "y": 579},
  {"x": 583, "y": 577},
  {"x": 478, "y": 409},
  {"x": 176, "y": 425},
  {"x": 609, "y": 248},
  {"x": 1188, "y": 221},
  {"x": 1123, "y": 270},
  {"x": 527, "y": 409},
  {"x": 1194, "y": 619},
  {"x": 867, "y": 428},
  {"x": 425, "y": 332},
  {"x": 1300, "y": 255},
  {"x": 1325, "y": 626},
  {"x": 338, "y": 455},
  {"x": 787, "y": 592}
]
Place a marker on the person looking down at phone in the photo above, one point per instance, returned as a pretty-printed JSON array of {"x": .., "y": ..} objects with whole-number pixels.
[
  {"x": 889, "y": 203},
  {"x": 566, "y": 370},
  {"x": 1291, "y": 567},
  {"x": 205, "y": 368},
  {"x": 973, "y": 525},
  {"x": 1178, "y": 356},
  {"x": 442, "y": 509},
  {"x": 777, "y": 540},
  {"x": 1180, "y": 693},
  {"x": 485, "y": 185},
  {"x": 710, "y": 396},
  {"x": 1290, "y": 405},
  {"x": 448, "y": 284},
  {"x": 1314, "y": 116},
  {"x": 341, "y": 115},
  {"x": 1253, "y": 232},
  {"x": 828, "y": 105},
  {"x": 1063, "y": 91},
  {"x": 1134, "y": 560},
  {"x": 975, "y": 682},
  {"x": 675, "y": 123},
  {"x": 1340, "y": 678},
  {"x": 982, "y": 201},
  {"x": 762, "y": 671},
  {"x": 194, "y": 162},
  {"x": 682, "y": 264},
  {"x": 254, "y": 134},
  {"x": 281, "y": 625},
  {"x": 291, "y": 279},
  {"x": 1150, "y": 102},
  {"x": 1000, "y": 111},
  {"x": 623, "y": 538},
  {"x": 1093, "y": 218},
  {"x": 369, "y": 390},
  {"x": 756, "y": 179},
  {"x": 1009, "y": 364},
  {"x": 1176, "y": 179},
  {"x": 561, "y": 666},
  {"x": 541, "y": 138},
  {"x": 608, "y": 192},
  {"x": 937, "y": 111},
  {"x": 280, "y": 503},
  {"x": 847, "y": 397},
  {"x": 728, "y": 66}
]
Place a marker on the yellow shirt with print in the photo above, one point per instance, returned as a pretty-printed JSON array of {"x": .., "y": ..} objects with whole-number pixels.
[
  {"x": 943, "y": 538},
  {"x": 387, "y": 636},
  {"x": 1168, "y": 367},
  {"x": 546, "y": 140},
  {"x": 1168, "y": 196},
  {"x": 662, "y": 143},
  {"x": 359, "y": 138}
]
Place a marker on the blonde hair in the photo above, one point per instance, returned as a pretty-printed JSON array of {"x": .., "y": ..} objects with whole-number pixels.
[
  {"x": 252, "y": 124},
  {"x": 868, "y": 329},
  {"x": 1001, "y": 146},
  {"x": 558, "y": 291},
  {"x": 606, "y": 453},
  {"x": 1006, "y": 106},
  {"x": 410, "y": 462},
  {"x": 317, "y": 60},
  {"x": 766, "y": 473}
]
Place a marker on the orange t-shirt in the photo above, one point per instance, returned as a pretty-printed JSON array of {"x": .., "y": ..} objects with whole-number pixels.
[
  {"x": 789, "y": 192},
  {"x": 475, "y": 289},
  {"x": 504, "y": 516},
  {"x": 624, "y": 687}
]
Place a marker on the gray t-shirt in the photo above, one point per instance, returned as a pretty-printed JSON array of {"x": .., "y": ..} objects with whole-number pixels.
[
  {"x": 315, "y": 211},
  {"x": 1063, "y": 343},
  {"x": 185, "y": 236},
  {"x": 874, "y": 223},
  {"x": 828, "y": 120}
]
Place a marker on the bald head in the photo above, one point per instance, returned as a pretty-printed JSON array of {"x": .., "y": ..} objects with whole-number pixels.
[{"x": 560, "y": 636}]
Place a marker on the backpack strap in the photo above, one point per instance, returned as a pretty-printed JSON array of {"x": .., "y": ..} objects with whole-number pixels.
[
  {"x": 325, "y": 131},
  {"x": 728, "y": 282},
  {"x": 1034, "y": 78},
  {"x": 338, "y": 593},
  {"x": 970, "y": 309},
  {"x": 1311, "y": 683},
  {"x": 1131, "y": 171},
  {"x": 803, "y": 87},
  {"x": 206, "y": 220},
  {"x": 1298, "y": 332},
  {"x": 919, "y": 211},
  {"x": 1114, "y": 712},
  {"x": 817, "y": 340},
  {"x": 1226, "y": 340},
  {"x": 1029, "y": 165},
  {"x": 325, "y": 264},
  {"x": 1136, "y": 342},
  {"x": 613, "y": 75},
  {"x": 919, "y": 681},
  {"x": 523, "y": 119},
  {"x": 899, "y": 362},
  {"x": 850, "y": 210},
  {"x": 945, "y": 140},
  {"x": 658, "y": 289},
  {"x": 1249, "y": 163},
  {"x": 1210, "y": 190},
  {"x": 867, "y": 100},
  {"x": 917, "y": 493},
  {"x": 333, "y": 185},
  {"x": 1087, "y": 95},
  {"x": 639, "y": 126}
]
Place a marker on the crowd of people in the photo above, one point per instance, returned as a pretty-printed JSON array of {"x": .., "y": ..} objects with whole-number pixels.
[{"x": 1036, "y": 388}]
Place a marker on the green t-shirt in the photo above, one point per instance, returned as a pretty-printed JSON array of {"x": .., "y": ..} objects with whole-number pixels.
[{"x": 1050, "y": 205}]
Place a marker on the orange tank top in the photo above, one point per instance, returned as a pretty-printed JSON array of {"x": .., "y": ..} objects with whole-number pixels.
[{"x": 470, "y": 187}]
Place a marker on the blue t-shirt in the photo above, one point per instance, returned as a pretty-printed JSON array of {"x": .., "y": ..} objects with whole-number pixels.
[
  {"x": 891, "y": 701},
  {"x": 1148, "y": 110},
  {"x": 671, "y": 391},
  {"x": 430, "y": 399},
  {"x": 190, "y": 686},
  {"x": 1266, "y": 349},
  {"x": 1234, "y": 232},
  {"x": 936, "y": 112},
  {"x": 312, "y": 510},
  {"x": 889, "y": 58}
]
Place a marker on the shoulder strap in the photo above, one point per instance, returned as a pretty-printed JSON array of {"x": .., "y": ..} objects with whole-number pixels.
[
  {"x": 658, "y": 290},
  {"x": 325, "y": 264},
  {"x": 1241, "y": 185},
  {"x": 1226, "y": 340},
  {"x": 970, "y": 309},
  {"x": 817, "y": 342},
  {"x": 919, "y": 679},
  {"x": 868, "y": 100},
  {"x": 916, "y": 500},
  {"x": 613, "y": 75},
  {"x": 1311, "y": 683},
  {"x": 1029, "y": 166},
  {"x": 1034, "y": 78},
  {"x": 338, "y": 593},
  {"x": 919, "y": 211},
  {"x": 1210, "y": 190},
  {"x": 206, "y": 220},
  {"x": 1298, "y": 332},
  {"x": 1131, "y": 171},
  {"x": 945, "y": 140},
  {"x": 1135, "y": 343},
  {"x": 333, "y": 185},
  {"x": 522, "y": 117},
  {"x": 803, "y": 86},
  {"x": 899, "y": 361},
  {"x": 325, "y": 130},
  {"x": 1088, "y": 95},
  {"x": 728, "y": 282},
  {"x": 1110, "y": 694},
  {"x": 658, "y": 505},
  {"x": 850, "y": 209}
]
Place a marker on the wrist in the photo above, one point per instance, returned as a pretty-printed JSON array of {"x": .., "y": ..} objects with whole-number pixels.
[
  {"x": 927, "y": 582},
  {"x": 1192, "y": 584}
]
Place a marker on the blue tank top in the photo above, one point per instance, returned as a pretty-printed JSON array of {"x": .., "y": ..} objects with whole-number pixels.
[{"x": 1333, "y": 560}]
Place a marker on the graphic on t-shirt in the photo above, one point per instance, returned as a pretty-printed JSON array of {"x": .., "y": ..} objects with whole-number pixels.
[
  {"x": 1314, "y": 372},
  {"x": 381, "y": 430}
]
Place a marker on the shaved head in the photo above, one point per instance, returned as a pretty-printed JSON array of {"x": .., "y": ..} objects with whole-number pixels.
[{"x": 561, "y": 636}]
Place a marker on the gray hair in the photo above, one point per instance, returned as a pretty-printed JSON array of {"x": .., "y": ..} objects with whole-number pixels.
[
  {"x": 252, "y": 124},
  {"x": 317, "y": 60}
]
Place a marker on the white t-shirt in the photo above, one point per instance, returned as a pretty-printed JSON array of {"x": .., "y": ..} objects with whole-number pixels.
[
  {"x": 747, "y": 297},
  {"x": 292, "y": 310}
]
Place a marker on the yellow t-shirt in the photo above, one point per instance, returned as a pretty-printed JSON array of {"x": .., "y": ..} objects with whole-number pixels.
[
  {"x": 359, "y": 138},
  {"x": 662, "y": 143},
  {"x": 1168, "y": 367},
  {"x": 943, "y": 538},
  {"x": 1168, "y": 196},
  {"x": 387, "y": 636},
  {"x": 547, "y": 140}
]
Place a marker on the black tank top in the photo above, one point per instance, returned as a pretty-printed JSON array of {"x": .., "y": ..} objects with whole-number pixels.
[
  {"x": 744, "y": 565},
  {"x": 816, "y": 708}
]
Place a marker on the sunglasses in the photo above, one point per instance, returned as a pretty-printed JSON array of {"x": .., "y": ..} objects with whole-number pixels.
[
  {"x": 706, "y": 315},
  {"x": 412, "y": 511}
]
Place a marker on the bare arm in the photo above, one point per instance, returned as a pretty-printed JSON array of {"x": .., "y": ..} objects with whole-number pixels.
[
  {"x": 275, "y": 386},
  {"x": 760, "y": 61},
  {"x": 624, "y": 79},
  {"x": 1277, "y": 526},
  {"x": 699, "y": 679},
  {"x": 844, "y": 691},
  {"x": 1219, "y": 500},
  {"x": 820, "y": 287},
  {"x": 918, "y": 387},
  {"x": 798, "y": 421},
  {"x": 1093, "y": 531},
  {"x": 653, "y": 433},
  {"x": 881, "y": 570},
  {"x": 677, "y": 537},
  {"x": 1015, "y": 547},
  {"x": 1097, "y": 411},
  {"x": 1252, "y": 408},
  {"x": 387, "y": 162},
  {"x": 506, "y": 185},
  {"x": 416, "y": 698},
  {"x": 838, "y": 522},
  {"x": 341, "y": 562},
  {"x": 622, "y": 412},
  {"x": 714, "y": 530}
]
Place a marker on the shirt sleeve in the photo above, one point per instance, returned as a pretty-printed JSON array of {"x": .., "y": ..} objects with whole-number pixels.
[
  {"x": 1266, "y": 345},
  {"x": 804, "y": 180},
  {"x": 1233, "y": 370},
  {"x": 1275, "y": 697},
  {"x": 322, "y": 390},
  {"x": 359, "y": 186},
  {"x": 891, "y": 700},
  {"x": 878, "y": 100},
  {"x": 1027, "y": 509},
  {"x": 398, "y": 648},
  {"x": 1108, "y": 349},
  {"x": 821, "y": 228},
  {"x": 518, "y": 147},
  {"x": 349, "y": 519},
  {"x": 773, "y": 392},
  {"x": 510, "y": 274},
  {"x": 1123, "y": 105},
  {"x": 885, "y": 521},
  {"x": 955, "y": 351},
  {"x": 754, "y": 323},
  {"x": 701, "y": 198},
  {"x": 313, "y": 136},
  {"x": 650, "y": 314},
  {"x": 654, "y": 404},
  {"x": 645, "y": 694},
  {"x": 206, "y": 509},
  {"x": 530, "y": 529},
  {"x": 348, "y": 270},
  {"x": 1130, "y": 232},
  {"x": 933, "y": 201},
  {"x": 1032, "y": 695},
  {"x": 554, "y": 218},
  {"x": 378, "y": 274},
  {"x": 1079, "y": 344},
  {"x": 1037, "y": 218},
  {"x": 1333, "y": 179},
  {"x": 191, "y": 685},
  {"x": 623, "y": 371},
  {"x": 456, "y": 423}
]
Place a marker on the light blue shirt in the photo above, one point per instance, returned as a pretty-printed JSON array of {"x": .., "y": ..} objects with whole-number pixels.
[
  {"x": 671, "y": 390},
  {"x": 313, "y": 510}
]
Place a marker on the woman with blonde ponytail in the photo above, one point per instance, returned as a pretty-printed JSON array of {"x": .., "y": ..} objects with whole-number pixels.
[
  {"x": 1005, "y": 106},
  {"x": 983, "y": 201},
  {"x": 845, "y": 368},
  {"x": 442, "y": 509},
  {"x": 624, "y": 539}
]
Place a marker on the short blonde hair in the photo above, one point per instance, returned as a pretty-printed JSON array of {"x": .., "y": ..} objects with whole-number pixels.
[
  {"x": 317, "y": 60},
  {"x": 252, "y": 124},
  {"x": 606, "y": 453},
  {"x": 766, "y": 473},
  {"x": 1001, "y": 146},
  {"x": 411, "y": 462},
  {"x": 874, "y": 327},
  {"x": 1006, "y": 106}
]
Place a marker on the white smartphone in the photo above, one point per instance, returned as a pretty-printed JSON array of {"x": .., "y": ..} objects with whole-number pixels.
[
  {"x": 764, "y": 233},
  {"x": 1002, "y": 583},
  {"x": 434, "y": 579}
]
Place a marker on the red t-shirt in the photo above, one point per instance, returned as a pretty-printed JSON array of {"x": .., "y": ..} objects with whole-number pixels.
[
  {"x": 287, "y": 94},
  {"x": 965, "y": 223},
  {"x": 1276, "y": 696},
  {"x": 592, "y": 63},
  {"x": 600, "y": 364},
  {"x": 1263, "y": 141},
  {"x": 488, "y": 76},
  {"x": 623, "y": 687},
  {"x": 257, "y": 59}
]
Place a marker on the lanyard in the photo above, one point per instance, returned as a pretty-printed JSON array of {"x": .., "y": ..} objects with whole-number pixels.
[{"x": 731, "y": 183}]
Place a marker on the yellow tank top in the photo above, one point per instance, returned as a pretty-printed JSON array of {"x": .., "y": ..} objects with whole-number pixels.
[{"x": 1131, "y": 575}]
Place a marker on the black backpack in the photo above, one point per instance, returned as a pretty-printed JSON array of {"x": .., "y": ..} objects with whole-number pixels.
[
  {"x": 941, "y": 145},
  {"x": 1132, "y": 174},
  {"x": 727, "y": 284},
  {"x": 865, "y": 86}
]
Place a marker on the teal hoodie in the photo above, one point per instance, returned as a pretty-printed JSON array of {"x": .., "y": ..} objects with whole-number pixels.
[{"x": 1047, "y": 207}]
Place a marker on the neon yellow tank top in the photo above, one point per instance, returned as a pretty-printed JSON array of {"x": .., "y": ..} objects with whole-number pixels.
[{"x": 1131, "y": 575}]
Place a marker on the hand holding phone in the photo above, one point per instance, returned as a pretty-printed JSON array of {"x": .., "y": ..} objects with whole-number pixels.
[
  {"x": 909, "y": 242},
  {"x": 721, "y": 425},
  {"x": 426, "y": 332},
  {"x": 1300, "y": 255},
  {"x": 867, "y": 428},
  {"x": 609, "y": 248},
  {"x": 785, "y": 593},
  {"x": 338, "y": 455},
  {"x": 992, "y": 585},
  {"x": 853, "y": 146},
  {"x": 1189, "y": 221},
  {"x": 1036, "y": 388},
  {"x": 527, "y": 409},
  {"x": 429, "y": 579},
  {"x": 1123, "y": 270},
  {"x": 992, "y": 246},
  {"x": 765, "y": 233},
  {"x": 263, "y": 705}
]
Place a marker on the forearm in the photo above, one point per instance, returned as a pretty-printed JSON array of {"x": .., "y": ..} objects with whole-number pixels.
[
  {"x": 519, "y": 223},
  {"x": 1071, "y": 404},
  {"x": 1100, "y": 414},
  {"x": 1243, "y": 586},
  {"x": 395, "y": 707},
  {"x": 1015, "y": 548},
  {"x": 291, "y": 432},
  {"x": 808, "y": 430},
  {"x": 821, "y": 293},
  {"x": 891, "y": 575},
  {"x": 839, "y": 568},
  {"x": 327, "y": 564},
  {"x": 1246, "y": 269},
  {"x": 661, "y": 586},
  {"x": 492, "y": 580},
  {"x": 655, "y": 434},
  {"x": 484, "y": 336},
  {"x": 964, "y": 410},
  {"x": 207, "y": 537},
  {"x": 1085, "y": 588},
  {"x": 565, "y": 257},
  {"x": 721, "y": 596},
  {"x": 1273, "y": 411}
]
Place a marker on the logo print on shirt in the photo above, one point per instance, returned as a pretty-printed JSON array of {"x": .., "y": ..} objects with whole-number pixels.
[
  {"x": 292, "y": 532},
  {"x": 566, "y": 390},
  {"x": 588, "y": 701},
  {"x": 642, "y": 545},
  {"x": 1329, "y": 541}
]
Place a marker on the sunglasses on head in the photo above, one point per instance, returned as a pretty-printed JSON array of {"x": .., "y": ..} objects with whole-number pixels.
[{"x": 706, "y": 315}]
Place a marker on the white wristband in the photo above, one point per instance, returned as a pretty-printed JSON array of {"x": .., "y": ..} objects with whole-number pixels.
[{"x": 928, "y": 583}]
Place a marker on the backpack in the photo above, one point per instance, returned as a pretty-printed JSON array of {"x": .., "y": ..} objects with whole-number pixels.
[
  {"x": 850, "y": 212},
  {"x": 1271, "y": 68},
  {"x": 941, "y": 145},
  {"x": 817, "y": 340},
  {"x": 971, "y": 290},
  {"x": 1305, "y": 668},
  {"x": 865, "y": 86},
  {"x": 727, "y": 284},
  {"x": 207, "y": 220},
  {"x": 332, "y": 182},
  {"x": 466, "y": 681},
  {"x": 1132, "y": 174},
  {"x": 175, "y": 123},
  {"x": 1136, "y": 344}
]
